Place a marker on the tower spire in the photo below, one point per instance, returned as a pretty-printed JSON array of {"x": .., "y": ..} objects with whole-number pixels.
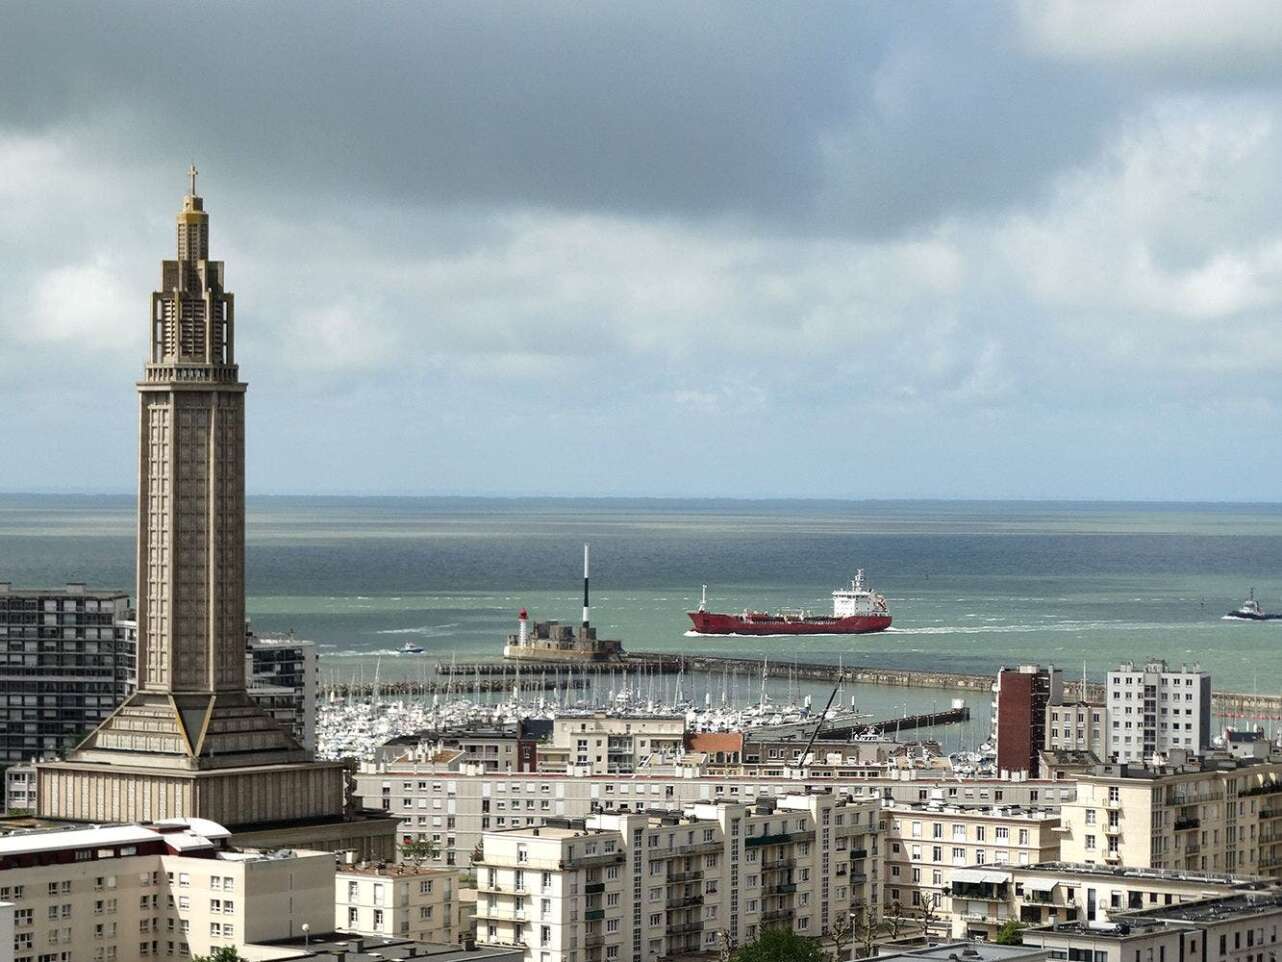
[{"x": 192, "y": 172}]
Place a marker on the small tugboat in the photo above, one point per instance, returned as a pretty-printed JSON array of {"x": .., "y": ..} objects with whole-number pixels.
[
  {"x": 1251, "y": 611},
  {"x": 856, "y": 610},
  {"x": 409, "y": 648}
]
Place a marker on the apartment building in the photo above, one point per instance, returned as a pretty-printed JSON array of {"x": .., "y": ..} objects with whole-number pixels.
[
  {"x": 927, "y": 846},
  {"x": 20, "y": 789},
  {"x": 1242, "y": 927},
  {"x": 633, "y": 886},
  {"x": 1215, "y": 814},
  {"x": 504, "y": 748},
  {"x": 1019, "y": 715},
  {"x": 602, "y": 744},
  {"x": 1152, "y": 709},
  {"x": 453, "y": 804},
  {"x": 1078, "y": 726},
  {"x": 1054, "y": 893},
  {"x": 121, "y": 893},
  {"x": 405, "y": 901},
  {"x": 283, "y": 676},
  {"x": 66, "y": 661}
]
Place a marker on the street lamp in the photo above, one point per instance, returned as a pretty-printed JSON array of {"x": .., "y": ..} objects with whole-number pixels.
[{"x": 306, "y": 937}]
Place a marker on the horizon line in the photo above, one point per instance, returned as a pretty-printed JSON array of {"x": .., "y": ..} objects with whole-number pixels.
[{"x": 814, "y": 499}]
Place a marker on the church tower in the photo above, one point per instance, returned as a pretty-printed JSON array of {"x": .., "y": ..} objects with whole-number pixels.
[
  {"x": 191, "y": 477},
  {"x": 190, "y": 742}
]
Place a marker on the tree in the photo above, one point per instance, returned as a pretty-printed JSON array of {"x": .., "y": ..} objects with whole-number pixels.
[
  {"x": 868, "y": 925},
  {"x": 929, "y": 911},
  {"x": 894, "y": 922},
  {"x": 419, "y": 852},
  {"x": 840, "y": 932},
  {"x": 224, "y": 953},
  {"x": 1009, "y": 933},
  {"x": 780, "y": 945}
]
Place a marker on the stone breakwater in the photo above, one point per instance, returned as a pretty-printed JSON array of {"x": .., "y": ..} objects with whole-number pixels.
[{"x": 1246, "y": 705}]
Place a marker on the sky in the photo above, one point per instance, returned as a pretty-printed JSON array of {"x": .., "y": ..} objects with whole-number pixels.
[{"x": 851, "y": 250}]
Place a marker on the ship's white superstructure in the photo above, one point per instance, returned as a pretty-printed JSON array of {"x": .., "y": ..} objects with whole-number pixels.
[{"x": 857, "y": 600}]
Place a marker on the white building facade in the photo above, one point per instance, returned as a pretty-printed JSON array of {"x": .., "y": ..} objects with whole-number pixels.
[{"x": 1152, "y": 709}]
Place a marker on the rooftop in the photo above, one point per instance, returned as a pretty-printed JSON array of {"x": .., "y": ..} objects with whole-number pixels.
[
  {"x": 180, "y": 834},
  {"x": 335, "y": 946},
  {"x": 1155, "y": 874},
  {"x": 70, "y": 590},
  {"x": 1238, "y": 905},
  {"x": 964, "y": 952},
  {"x": 971, "y": 810},
  {"x": 395, "y": 870}
]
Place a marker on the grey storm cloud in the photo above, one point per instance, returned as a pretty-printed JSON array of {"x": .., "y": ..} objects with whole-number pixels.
[
  {"x": 1016, "y": 249},
  {"x": 854, "y": 119}
]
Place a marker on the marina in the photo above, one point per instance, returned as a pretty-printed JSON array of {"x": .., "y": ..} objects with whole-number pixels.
[{"x": 1229, "y": 704}]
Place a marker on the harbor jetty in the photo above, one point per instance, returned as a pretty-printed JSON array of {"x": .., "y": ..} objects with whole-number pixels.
[{"x": 1246, "y": 705}]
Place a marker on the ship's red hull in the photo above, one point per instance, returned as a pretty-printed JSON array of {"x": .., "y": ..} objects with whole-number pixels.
[{"x": 759, "y": 623}]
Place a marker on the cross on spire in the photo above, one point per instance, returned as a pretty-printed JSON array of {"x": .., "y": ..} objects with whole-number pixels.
[{"x": 192, "y": 172}]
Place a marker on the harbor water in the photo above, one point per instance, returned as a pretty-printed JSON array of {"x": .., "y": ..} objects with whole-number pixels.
[{"x": 971, "y": 586}]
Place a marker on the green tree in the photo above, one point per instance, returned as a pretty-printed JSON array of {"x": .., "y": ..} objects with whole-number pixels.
[
  {"x": 419, "y": 852},
  {"x": 224, "y": 953},
  {"x": 1009, "y": 933},
  {"x": 780, "y": 945}
]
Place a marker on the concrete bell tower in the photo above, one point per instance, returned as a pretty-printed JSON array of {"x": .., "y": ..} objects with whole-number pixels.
[{"x": 190, "y": 741}]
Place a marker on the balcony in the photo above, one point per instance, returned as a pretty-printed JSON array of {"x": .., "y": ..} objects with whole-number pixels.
[
  {"x": 593, "y": 941},
  {"x": 776, "y": 915},
  {"x": 594, "y": 915},
  {"x": 693, "y": 875},
  {"x": 500, "y": 913},
  {"x": 684, "y": 901},
  {"x": 1182, "y": 824},
  {"x": 602, "y": 858},
  {"x": 783, "y": 888},
  {"x": 778, "y": 864},
  {"x": 702, "y": 848},
  {"x": 858, "y": 853},
  {"x": 592, "y": 888},
  {"x": 684, "y": 928},
  {"x": 783, "y": 838}
]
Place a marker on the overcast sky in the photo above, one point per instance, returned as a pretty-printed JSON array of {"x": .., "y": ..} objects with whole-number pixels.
[{"x": 858, "y": 250}]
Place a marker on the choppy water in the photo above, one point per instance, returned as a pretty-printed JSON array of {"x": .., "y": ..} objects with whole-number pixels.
[{"x": 971, "y": 585}]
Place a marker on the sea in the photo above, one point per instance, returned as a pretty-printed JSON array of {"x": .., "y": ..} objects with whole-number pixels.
[{"x": 972, "y": 586}]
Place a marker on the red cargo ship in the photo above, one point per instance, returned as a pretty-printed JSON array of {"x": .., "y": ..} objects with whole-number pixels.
[{"x": 856, "y": 610}]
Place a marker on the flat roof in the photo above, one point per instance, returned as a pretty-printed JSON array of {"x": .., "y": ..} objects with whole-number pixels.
[
  {"x": 57, "y": 839},
  {"x": 1153, "y": 874},
  {"x": 67, "y": 591},
  {"x": 358, "y": 948},
  {"x": 395, "y": 870},
  {"x": 967, "y": 952},
  {"x": 1215, "y": 909}
]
